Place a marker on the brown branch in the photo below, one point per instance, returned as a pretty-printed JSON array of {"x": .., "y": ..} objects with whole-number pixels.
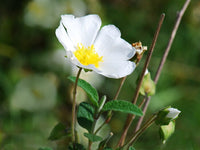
[
  {"x": 148, "y": 58},
  {"x": 162, "y": 62},
  {"x": 131, "y": 117}
]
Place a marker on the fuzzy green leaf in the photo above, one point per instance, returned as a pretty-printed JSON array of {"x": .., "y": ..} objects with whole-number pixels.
[
  {"x": 89, "y": 89},
  {"x": 58, "y": 132},
  {"x": 85, "y": 115},
  {"x": 92, "y": 137},
  {"x": 122, "y": 106},
  {"x": 76, "y": 146}
]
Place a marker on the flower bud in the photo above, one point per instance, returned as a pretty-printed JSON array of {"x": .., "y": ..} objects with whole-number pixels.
[
  {"x": 173, "y": 113},
  {"x": 101, "y": 103},
  {"x": 166, "y": 115},
  {"x": 148, "y": 86},
  {"x": 166, "y": 131}
]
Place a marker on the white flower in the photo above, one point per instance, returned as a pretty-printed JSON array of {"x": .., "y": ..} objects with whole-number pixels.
[
  {"x": 173, "y": 113},
  {"x": 101, "y": 50}
]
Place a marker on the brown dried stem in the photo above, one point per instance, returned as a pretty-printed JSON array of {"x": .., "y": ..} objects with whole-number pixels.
[
  {"x": 162, "y": 62},
  {"x": 131, "y": 117}
]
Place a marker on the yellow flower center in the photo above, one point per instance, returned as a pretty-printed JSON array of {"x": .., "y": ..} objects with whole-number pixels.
[{"x": 87, "y": 55}]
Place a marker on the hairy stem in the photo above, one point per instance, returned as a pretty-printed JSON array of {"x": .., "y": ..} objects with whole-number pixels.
[
  {"x": 131, "y": 117},
  {"x": 163, "y": 60},
  {"x": 74, "y": 107}
]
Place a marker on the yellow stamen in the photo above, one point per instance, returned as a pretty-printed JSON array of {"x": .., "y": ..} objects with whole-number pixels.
[{"x": 87, "y": 55}]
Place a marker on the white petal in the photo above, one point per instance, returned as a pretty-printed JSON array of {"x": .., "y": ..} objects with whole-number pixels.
[
  {"x": 64, "y": 38},
  {"x": 116, "y": 69},
  {"x": 82, "y": 29},
  {"x": 173, "y": 113},
  {"x": 111, "y": 46}
]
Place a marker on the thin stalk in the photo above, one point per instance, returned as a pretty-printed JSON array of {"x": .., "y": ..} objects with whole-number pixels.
[
  {"x": 134, "y": 101},
  {"x": 92, "y": 131},
  {"x": 148, "y": 58},
  {"x": 101, "y": 126},
  {"x": 147, "y": 100},
  {"x": 163, "y": 60},
  {"x": 120, "y": 87},
  {"x": 141, "y": 130},
  {"x": 74, "y": 106}
]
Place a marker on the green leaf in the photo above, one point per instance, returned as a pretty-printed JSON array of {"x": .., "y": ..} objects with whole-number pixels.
[
  {"x": 45, "y": 148},
  {"x": 58, "y": 132},
  {"x": 122, "y": 106},
  {"x": 85, "y": 115},
  {"x": 107, "y": 148},
  {"x": 76, "y": 146},
  {"x": 90, "y": 90},
  {"x": 92, "y": 137},
  {"x": 131, "y": 148}
]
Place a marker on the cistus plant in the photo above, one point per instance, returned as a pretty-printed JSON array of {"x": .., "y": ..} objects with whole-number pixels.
[{"x": 102, "y": 50}]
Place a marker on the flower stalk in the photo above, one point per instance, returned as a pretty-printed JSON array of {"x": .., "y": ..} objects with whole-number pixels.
[{"x": 74, "y": 106}]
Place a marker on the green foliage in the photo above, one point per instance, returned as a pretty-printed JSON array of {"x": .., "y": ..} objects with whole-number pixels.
[
  {"x": 89, "y": 89},
  {"x": 107, "y": 148},
  {"x": 58, "y": 132},
  {"x": 76, "y": 146},
  {"x": 93, "y": 137},
  {"x": 131, "y": 148},
  {"x": 105, "y": 141},
  {"x": 85, "y": 115},
  {"x": 122, "y": 106},
  {"x": 45, "y": 148}
]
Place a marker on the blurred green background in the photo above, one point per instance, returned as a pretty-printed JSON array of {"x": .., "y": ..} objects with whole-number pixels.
[{"x": 35, "y": 92}]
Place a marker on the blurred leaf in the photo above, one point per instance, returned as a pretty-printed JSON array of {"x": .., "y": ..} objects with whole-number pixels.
[
  {"x": 122, "y": 106},
  {"x": 58, "y": 132},
  {"x": 131, "y": 148},
  {"x": 45, "y": 148},
  {"x": 85, "y": 115},
  {"x": 107, "y": 148},
  {"x": 92, "y": 137},
  {"x": 76, "y": 147},
  {"x": 105, "y": 141},
  {"x": 90, "y": 90}
]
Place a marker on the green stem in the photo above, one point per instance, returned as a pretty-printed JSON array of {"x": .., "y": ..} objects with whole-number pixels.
[
  {"x": 92, "y": 131},
  {"x": 74, "y": 106}
]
